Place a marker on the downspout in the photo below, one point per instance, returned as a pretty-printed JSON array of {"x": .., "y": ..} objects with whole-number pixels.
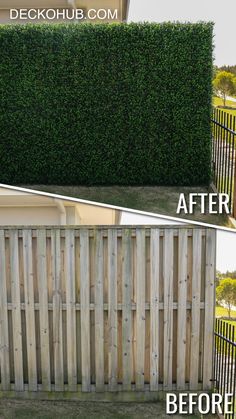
[
  {"x": 127, "y": 10},
  {"x": 62, "y": 210},
  {"x": 118, "y": 214},
  {"x": 72, "y": 4}
]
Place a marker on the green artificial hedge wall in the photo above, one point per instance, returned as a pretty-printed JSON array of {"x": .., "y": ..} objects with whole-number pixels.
[{"x": 106, "y": 104}]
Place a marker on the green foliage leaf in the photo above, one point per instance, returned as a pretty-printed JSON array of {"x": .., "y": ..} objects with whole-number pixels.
[{"x": 106, "y": 103}]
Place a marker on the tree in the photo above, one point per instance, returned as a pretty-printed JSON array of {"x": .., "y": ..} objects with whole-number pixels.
[
  {"x": 229, "y": 68},
  {"x": 226, "y": 293},
  {"x": 224, "y": 83},
  {"x": 219, "y": 277},
  {"x": 229, "y": 274}
]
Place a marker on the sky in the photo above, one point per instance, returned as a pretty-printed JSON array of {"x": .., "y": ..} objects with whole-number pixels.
[
  {"x": 223, "y": 14},
  {"x": 226, "y": 251}
]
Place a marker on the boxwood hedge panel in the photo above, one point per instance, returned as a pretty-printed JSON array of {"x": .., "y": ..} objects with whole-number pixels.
[{"x": 106, "y": 104}]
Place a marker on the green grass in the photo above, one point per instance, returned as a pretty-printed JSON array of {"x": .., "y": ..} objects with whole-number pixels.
[
  {"x": 217, "y": 101},
  {"x": 156, "y": 199},
  {"x": 233, "y": 323},
  {"x": 27, "y": 409},
  {"x": 223, "y": 312}
]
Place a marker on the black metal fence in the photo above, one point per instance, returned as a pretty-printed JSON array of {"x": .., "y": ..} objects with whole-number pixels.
[
  {"x": 224, "y": 362},
  {"x": 224, "y": 155}
]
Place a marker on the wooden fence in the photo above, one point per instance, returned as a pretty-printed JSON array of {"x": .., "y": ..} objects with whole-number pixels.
[{"x": 106, "y": 308}]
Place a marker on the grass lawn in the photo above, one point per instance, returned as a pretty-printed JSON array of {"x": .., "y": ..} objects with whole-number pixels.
[
  {"x": 156, "y": 199},
  {"x": 223, "y": 312},
  {"x": 233, "y": 323},
  {"x": 217, "y": 101},
  {"x": 28, "y": 409}
]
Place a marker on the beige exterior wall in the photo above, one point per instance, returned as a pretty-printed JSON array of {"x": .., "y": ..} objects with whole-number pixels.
[
  {"x": 20, "y": 208},
  {"x": 29, "y": 216},
  {"x": 96, "y": 215},
  {"x": 6, "y": 5}
]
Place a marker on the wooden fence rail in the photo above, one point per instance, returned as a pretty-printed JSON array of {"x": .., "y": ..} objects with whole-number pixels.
[{"x": 106, "y": 308}]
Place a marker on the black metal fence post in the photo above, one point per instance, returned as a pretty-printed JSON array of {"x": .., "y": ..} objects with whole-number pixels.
[
  {"x": 224, "y": 155},
  {"x": 225, "y": 362}
]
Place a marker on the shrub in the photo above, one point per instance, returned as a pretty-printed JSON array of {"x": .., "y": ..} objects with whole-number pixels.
[{"x": 106, "y": 103}]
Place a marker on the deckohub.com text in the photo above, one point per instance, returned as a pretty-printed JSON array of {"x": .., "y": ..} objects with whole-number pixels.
[{"x": 64, "y": 14}]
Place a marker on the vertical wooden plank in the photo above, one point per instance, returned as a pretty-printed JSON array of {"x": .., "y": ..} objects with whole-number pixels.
[
  {"x": 70, "y": 310},
  {"x": 4, "y": 339},
  {"x": 119, "y": 312},
  {"x": 154, "y": 309},
  {"x": 147, "y": 311},
  {"x": 77, "y": 299},
  {"x": 182, "y": 313},
  {"x": 112, "y": 309},
  {"x": 85, "y": 313},
  {"x": 99, "y": 320},
  {"x": 57, "y": 310},
  {"x": 126, "y": 314},
  {"x": 195, "y": 326},
  {"x": 92, "y": 275},
  {"x": 43, "y": 309},
  {"x": 134, "y": 312},
  {"x": 16, "y": 311},
  {"x": 168, "y": 308},
  {"x": 29, "y": 309},
  {"x": 140, "y": 309},
  {"x": 209, "y": 308}
]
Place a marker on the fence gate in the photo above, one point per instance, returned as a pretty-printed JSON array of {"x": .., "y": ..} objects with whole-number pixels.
[{"x": 106, "y": 309}]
